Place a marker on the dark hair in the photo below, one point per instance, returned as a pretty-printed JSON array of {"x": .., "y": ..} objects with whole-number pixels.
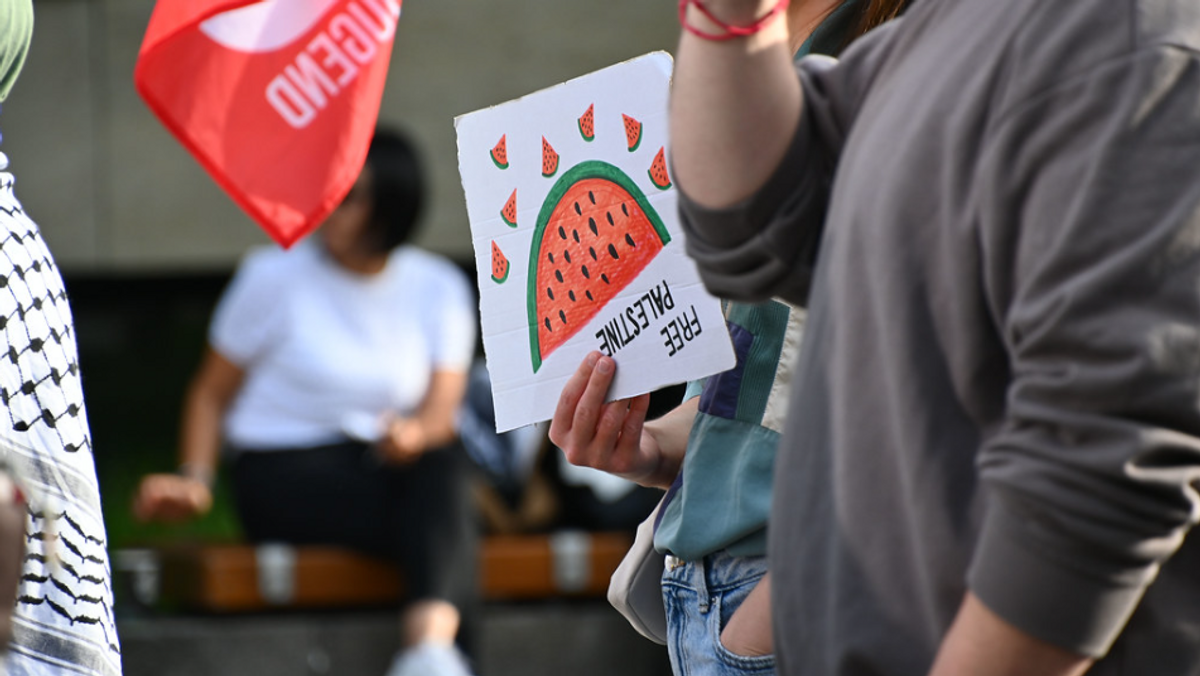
[
  {"x": 397, "y": 190},
  {"x": 875, "y": 13}
]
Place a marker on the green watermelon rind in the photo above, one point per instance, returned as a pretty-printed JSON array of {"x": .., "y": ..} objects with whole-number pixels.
[
  {"x": 655, "y": 182},
  {"x": 504, "y": 216},
  {"x": 640, "y": 129},
  {"x": 557, "y": 159},
  {"x": 582, "y": 171},
  {"x": 590, "y": 113},
  {"x": 507, "y": 266},
  {"x": 492, "y": 154}
]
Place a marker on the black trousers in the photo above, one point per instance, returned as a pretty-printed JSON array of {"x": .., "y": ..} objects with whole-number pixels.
[{"x": 419, "y": 516}]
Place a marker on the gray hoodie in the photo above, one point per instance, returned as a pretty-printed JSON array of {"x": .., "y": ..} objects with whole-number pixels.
[{"x": 992, "y": 211}]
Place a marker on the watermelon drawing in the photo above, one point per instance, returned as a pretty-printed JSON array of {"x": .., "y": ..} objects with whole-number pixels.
[
  {"x": 633, "y": 132},
  {"x": 587, "y": 124},
  {"x": 658, "y": 171},
  {"x": 500, "y": 264},
  {"x": 549, "y": 159},
  {"x": 500, "y": 152},
  {"x": 595, "y": 233},
  {"x": 509, "y": 212}
]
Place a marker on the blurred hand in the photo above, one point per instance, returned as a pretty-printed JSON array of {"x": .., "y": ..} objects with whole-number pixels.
[
  {"x": 171, "y": 498},
  {"x": 12, "y": 553},
  {"x": 403, "y": 442},
  {"x": 606, "y": 436}
]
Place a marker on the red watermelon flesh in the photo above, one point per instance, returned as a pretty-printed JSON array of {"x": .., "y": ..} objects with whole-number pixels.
[
  {"x": 509, "y": 212},
  {"x": 549, "y": 159},
  {"x": 500, "y": 264},
  {"x": 633, "y": 132},
  {"x": 658, "y": 171},
  {"x": 596, "y": 232},
  {"x": 500, "y": 152},
  {"x": 587, "y": 124}
]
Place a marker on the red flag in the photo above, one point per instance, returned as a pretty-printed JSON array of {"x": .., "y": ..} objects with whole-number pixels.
[{"x": 277, "y": 99}]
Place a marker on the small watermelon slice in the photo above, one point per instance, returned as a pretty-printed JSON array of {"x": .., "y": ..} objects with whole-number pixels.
[
  {"x": 658, "y": 171},
  {"x": 509, "y": 212},
  {"x": 500, "y": 152},
  {"x": 633, "y": 132},
  {"x": 595, "y": 233},
  {"x": 587, "y": 124},
  {"x": 549, "y": 159},
  {"x": 500, "y": 264}
]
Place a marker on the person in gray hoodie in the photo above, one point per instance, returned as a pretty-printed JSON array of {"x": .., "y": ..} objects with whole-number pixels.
[{"x": 991, "y": 211}]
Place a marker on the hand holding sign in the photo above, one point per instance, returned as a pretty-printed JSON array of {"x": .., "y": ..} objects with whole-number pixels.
[{"x": 606, "y": 436}]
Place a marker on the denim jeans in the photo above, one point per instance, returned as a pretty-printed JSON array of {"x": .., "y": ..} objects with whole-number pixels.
[{"x": 700, "y": 597}]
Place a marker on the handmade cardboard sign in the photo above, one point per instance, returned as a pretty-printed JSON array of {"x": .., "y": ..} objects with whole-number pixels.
[{"x": 578, "y": 245}]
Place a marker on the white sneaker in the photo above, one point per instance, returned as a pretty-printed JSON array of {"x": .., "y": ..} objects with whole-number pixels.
[{"x": 430, "y": 659}]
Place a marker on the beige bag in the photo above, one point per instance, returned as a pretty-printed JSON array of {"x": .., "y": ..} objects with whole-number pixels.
[{"x": 635, "y": 589}]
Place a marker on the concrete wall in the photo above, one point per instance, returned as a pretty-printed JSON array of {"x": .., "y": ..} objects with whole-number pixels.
[{"x": 114, "y": 192}]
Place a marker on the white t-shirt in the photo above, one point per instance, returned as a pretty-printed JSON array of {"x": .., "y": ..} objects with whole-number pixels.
[{"x": 328, "y": 352}]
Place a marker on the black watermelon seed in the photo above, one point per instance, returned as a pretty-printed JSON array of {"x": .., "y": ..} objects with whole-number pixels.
[
  {"x": 629, "y": 240},
  {"x": 610, "y": 218},
  {"x": 550, "y": 254},
  {"x": 592, "y": 225},
  {"x": 548, "y": 324},
  {"x": 571, "y": 295},
  {"x": 558, "y": 275},
  {"x": 575, "y": 234},
  {"x": 562, "y": 233},
  {"x": 604, "y": 276},
  {"x": 578, "y": 210},
  {"x": 589, "y": 295},
  {"x": 586, "y": 274},
  {"x": 592, "y": 250},
  {"x": 567, "y": 255},
  {"x": 591, "y": 197},
  {"x": 612, "y": 251},
  {"x": 623, "y": 209},
  {"x": 563, "y": 316},
  {"x": 549, "y": 293}
]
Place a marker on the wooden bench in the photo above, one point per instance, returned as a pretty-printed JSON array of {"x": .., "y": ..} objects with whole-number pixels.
[{"x": 243, "y": 578}]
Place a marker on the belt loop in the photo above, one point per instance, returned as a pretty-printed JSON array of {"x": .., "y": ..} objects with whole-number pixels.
[{"x": 700, "y": 572}]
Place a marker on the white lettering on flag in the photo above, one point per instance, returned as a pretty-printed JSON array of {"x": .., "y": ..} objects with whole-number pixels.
[{"x": 320, "y": 72}]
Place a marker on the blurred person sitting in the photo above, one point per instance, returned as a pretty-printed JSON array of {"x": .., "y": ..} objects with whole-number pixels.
[{"x": 333, "y": 375}]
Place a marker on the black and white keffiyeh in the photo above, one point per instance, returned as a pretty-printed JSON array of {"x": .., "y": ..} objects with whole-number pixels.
[{"x": 64, "y": 617}]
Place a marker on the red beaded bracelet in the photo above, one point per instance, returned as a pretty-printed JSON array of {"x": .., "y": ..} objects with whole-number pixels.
[{"x": 730, "y": 31}]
